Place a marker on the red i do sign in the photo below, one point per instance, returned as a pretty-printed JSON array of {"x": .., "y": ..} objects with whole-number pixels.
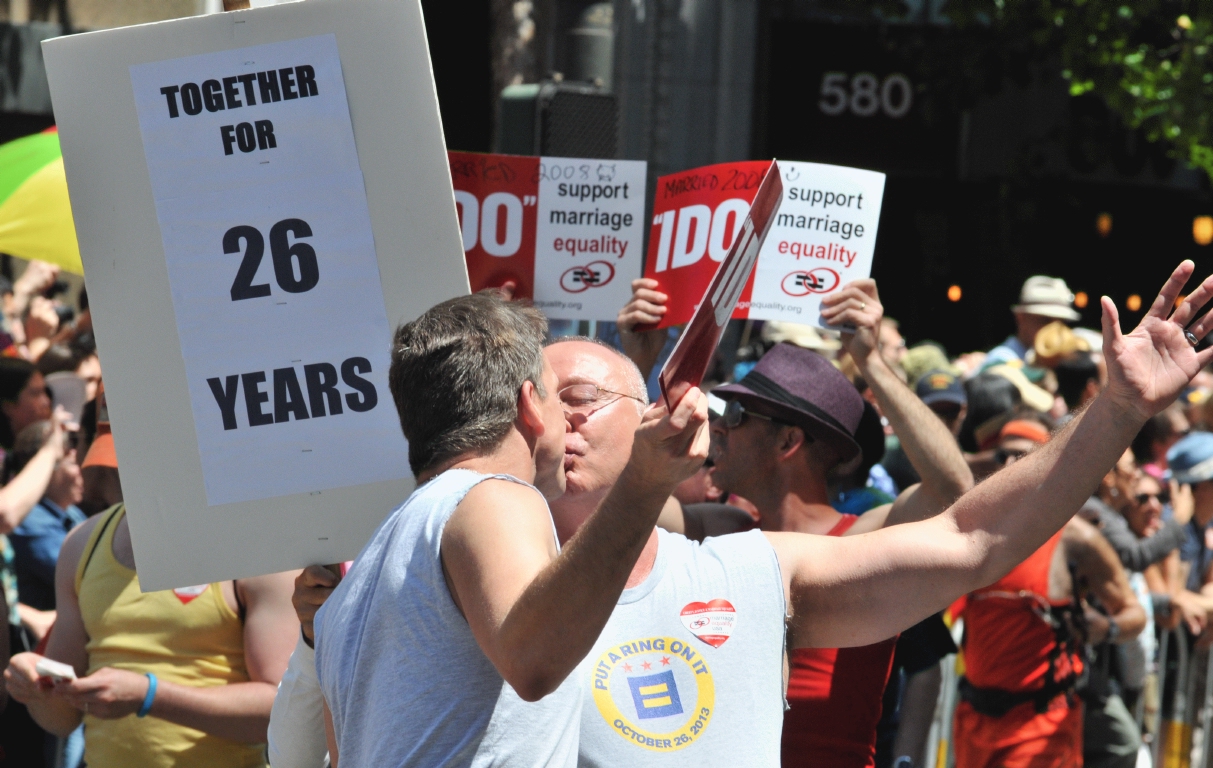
[
  {"x": 688, "y": 363},
  {"x": 697, "y": 216},
  {"x": 496, "y": 197},
  {"x": 823, "y": 237}
]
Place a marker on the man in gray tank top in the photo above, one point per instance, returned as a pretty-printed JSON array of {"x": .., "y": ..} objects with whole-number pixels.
[{"x": 450, "y": 639}]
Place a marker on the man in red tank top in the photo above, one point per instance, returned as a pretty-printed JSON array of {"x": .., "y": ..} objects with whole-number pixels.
[
  {"x": 1024, "y": 636},
  {"x": 834, "y": 694}
]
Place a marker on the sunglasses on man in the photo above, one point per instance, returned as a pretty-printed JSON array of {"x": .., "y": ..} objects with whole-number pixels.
[
  {"x": 735, "y": 414},
  {"x": 1164, "y": 497}
]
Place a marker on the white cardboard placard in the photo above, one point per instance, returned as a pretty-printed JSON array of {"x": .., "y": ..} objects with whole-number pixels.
[
  {"x": 823, "y": 237},
  {"x": 589, "y": 237},
  {"x": 167, "y": 211}
]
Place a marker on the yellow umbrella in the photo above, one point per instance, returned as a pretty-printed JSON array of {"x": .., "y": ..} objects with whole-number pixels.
[{"x": 35, "y": 214}]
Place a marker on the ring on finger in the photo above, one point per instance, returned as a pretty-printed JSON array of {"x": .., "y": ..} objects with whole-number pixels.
[
  {"x": 1191, "y": 337},
  {"x": 863, "y": 305}
]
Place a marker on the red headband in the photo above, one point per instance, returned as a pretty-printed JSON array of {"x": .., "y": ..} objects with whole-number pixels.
[{"x": 1028, "y": 430}]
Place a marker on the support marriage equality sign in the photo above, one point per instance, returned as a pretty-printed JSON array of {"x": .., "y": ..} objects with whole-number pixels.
[
  {"x": 260, "y": 196},
  {"x": 823, "y": 236},
  {"x": 568, "y": 232}
]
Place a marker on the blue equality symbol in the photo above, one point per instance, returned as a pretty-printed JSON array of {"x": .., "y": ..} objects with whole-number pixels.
[{"x": 655, "y": 695}]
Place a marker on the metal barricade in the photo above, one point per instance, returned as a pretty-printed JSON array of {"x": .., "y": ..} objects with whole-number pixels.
[
  {"x": 1206, "y": 712},
  {"x": 1164, "y": 647},
  {"x": 939, "y": 743},
  {"x": 939, "y": 739},
  {"x": 1191, "y": 718},
  {"x": 1174, "y": 747}
]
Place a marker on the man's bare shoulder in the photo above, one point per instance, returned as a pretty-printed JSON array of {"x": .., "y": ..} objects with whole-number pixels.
[
  {"x": 1080, "y": 533},
  {"x": 497, "y": 507},
  {"x": 498, "y": 493}
]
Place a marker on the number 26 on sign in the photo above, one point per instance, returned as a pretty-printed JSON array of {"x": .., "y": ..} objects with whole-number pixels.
[{"x": 283, "y": 253}]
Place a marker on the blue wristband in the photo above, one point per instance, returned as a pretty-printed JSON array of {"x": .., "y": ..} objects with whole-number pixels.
[{"x": 149, "y": 698}]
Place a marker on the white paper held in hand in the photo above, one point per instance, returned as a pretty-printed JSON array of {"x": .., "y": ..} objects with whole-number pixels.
[{"x": 55, "y": 670}]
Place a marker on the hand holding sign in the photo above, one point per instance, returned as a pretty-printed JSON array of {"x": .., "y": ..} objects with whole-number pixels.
[
  {"x": 671, "y": 442},
  {"x": 856, "y": 308},
  {"x": 646, "y": 308}
]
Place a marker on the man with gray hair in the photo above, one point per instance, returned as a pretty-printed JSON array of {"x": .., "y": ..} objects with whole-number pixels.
[{"x": 464, "y": 610}]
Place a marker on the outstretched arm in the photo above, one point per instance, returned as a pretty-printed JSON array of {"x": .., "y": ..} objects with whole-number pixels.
[
  {"x": 926, "y": 440},
  {"x": 863, "y": 589},
  {"x": 20, "y": 495},
  {"x": 534, "y": 613}
]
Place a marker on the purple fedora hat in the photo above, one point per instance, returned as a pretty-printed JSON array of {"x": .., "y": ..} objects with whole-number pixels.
[{"x": 803, "y": 388}]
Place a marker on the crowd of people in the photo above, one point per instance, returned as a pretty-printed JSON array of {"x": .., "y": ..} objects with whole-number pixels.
[{"x": 772, "y": 568}]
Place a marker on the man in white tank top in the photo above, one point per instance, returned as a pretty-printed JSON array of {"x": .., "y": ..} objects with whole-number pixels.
[{"x": 688, "y": 669}]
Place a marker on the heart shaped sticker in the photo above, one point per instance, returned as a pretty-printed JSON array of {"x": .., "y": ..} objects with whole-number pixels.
[
  {"x": 712, "y": 622},
  {"x": 186, "y": 594}
]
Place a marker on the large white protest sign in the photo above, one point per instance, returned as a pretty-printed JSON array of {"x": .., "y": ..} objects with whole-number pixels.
[
  {"x": 298, "y": 268},
  {"x": 259, "y": 197},
  {"x": 589, "y": 238}
]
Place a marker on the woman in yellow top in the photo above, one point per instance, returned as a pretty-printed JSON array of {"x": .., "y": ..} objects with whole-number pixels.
[{"x": 182, "y": 678}]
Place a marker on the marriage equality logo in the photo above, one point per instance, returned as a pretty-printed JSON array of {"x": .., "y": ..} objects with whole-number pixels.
[{"x": 657, "y": 693}]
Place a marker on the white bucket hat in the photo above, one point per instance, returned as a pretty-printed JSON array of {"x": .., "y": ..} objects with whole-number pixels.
[{"x": 1047, "y": 297}]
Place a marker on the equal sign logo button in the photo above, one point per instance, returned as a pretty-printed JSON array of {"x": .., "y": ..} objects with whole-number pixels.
[{"x": 655, "y": 695}]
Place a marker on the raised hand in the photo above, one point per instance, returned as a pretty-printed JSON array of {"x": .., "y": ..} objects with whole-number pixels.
[
  {"x": 312, "y": 587},
  {"x": 857, "y": 305},
  {"x": 42, "y": 320},
  {"x": 670, "y": 446},
  {"x": 36, "y": 278},
  {"x": 1148, "y": 367},
  {"x": 646, "y": 307}
]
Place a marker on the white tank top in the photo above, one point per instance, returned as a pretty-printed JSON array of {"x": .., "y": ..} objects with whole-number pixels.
[
  {"x": 689, "y": 669},
  {"x": 405, "y": 680}
]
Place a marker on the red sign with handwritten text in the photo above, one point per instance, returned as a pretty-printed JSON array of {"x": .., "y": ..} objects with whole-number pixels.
[
  {"x": 497, "y": 196},
  {"x": 697, "y": 215}
]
